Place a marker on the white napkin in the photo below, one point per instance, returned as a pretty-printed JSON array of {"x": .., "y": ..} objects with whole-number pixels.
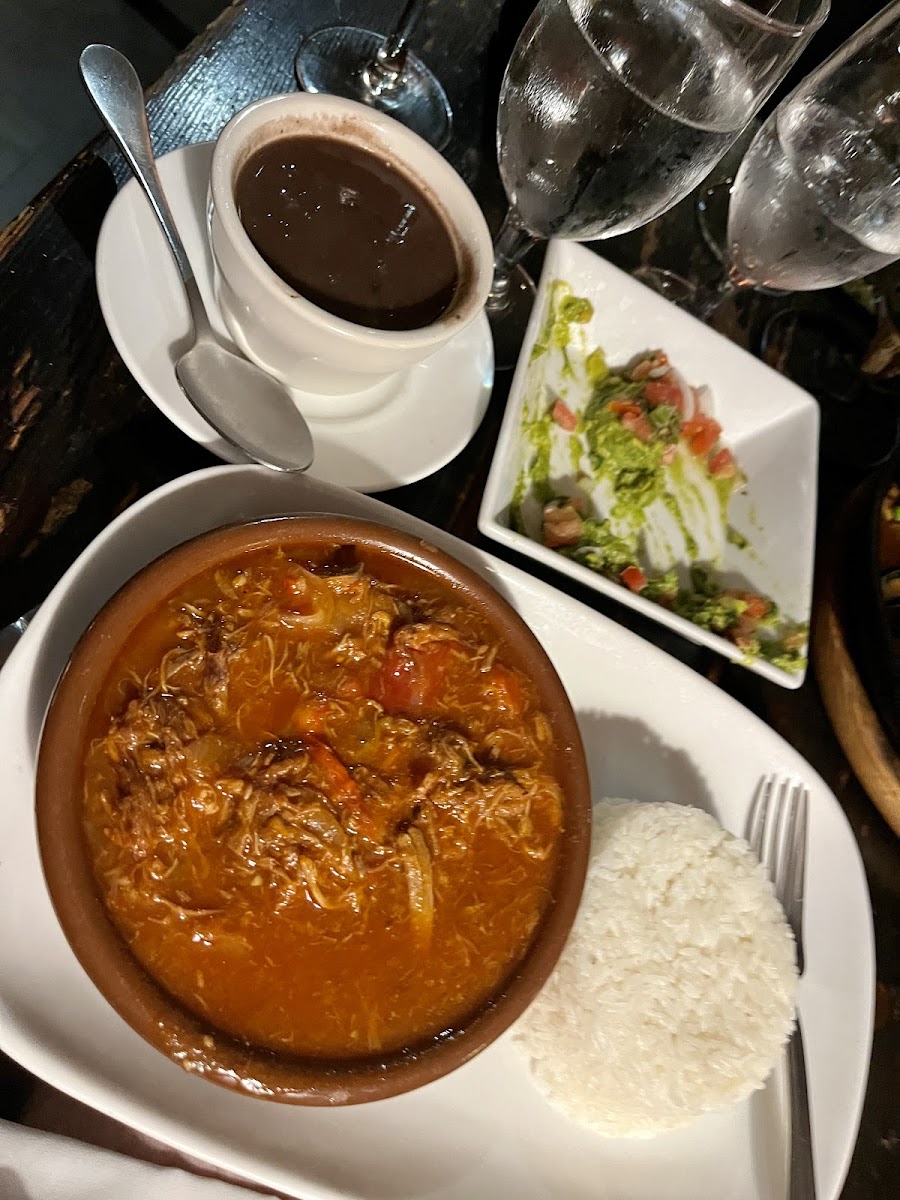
[{"x": 45, "y": 1166}]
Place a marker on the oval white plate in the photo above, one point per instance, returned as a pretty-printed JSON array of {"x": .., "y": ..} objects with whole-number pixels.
[
  {"x": 653, "y": 730},
  {"x": 431, "y": 411}
]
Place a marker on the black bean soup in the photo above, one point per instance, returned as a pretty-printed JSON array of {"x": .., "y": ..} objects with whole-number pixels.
[{"x": 348, "y": 231}]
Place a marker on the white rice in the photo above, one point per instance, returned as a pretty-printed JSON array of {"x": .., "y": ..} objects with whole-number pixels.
[{"x": 675, "y": 991}]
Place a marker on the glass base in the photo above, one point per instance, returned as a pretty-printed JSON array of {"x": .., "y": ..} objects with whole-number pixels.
[
  {"x": 701, "y": 300},
  {"x": 508, "y": 324},
  {"x": 670, "y": 285},
  {"x": 335, "y": 61}
]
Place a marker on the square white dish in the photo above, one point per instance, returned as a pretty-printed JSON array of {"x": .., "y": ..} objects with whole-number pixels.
[
  {"x": 770, "y": 424},
  {"x": 484, "y": 1132}
]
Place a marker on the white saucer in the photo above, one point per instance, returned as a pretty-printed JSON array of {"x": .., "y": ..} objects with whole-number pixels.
[{"x": 432, "y": 410}]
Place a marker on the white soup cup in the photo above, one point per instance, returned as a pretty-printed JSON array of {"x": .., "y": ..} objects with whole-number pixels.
[{"x": 297, "y": 341}]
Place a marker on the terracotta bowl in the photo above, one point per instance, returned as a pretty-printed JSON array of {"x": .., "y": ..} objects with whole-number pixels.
[{"x": 104, "y": 955}]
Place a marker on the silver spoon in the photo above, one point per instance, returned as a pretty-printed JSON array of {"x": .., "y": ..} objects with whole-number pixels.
[{"x": 250, "y": 409}]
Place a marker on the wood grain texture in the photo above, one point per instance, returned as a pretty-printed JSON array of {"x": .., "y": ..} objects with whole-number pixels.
[
  {"x": 868, "y": 749},
  {"x": 79, "y": 441}
]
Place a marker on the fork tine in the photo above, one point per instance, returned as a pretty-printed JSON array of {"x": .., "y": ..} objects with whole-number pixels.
[
  {"x": 795, "y": 878},
  {"x": 758, "y": 819},
  {"x": 803, "y": 838},
  {"x": 777, "y": 850},
  {"x": 790, "y": 882}
]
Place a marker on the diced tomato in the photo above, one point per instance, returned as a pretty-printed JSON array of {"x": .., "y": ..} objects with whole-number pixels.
[
  {"x": 663, "y": 391},
  {"x": 703, "y": 442},
  {"x": 639, "y": 426},
  {"x": 505, "y": 689},
  {"x": 413, "y": 680},
  {"x": 396, "y": 687},
  {"x": 337, "y": 778},
  {"x": 563, "y": 416},
  {"x": 634, "y": 578},
  {"x": 348, "y": 688},
  {"x": 722, "y": 465},
  {"x": 701, "y": 433},
  {"x": 623, "y": 408},
  {"x": 298, "y": 597},
  {"x": 757, "y": 607},
  {"x": 694, "y": 426},
  {"x": 311, "y": 716},
  {"x": 294, "y": 585},
  {"x": 342, "y": 789}
]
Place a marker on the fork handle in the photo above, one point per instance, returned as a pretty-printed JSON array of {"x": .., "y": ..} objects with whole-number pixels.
[{"x": 802, "y": 1175}]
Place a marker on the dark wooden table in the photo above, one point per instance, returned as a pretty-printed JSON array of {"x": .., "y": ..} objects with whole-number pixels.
[{"x": 79, "y": 441}]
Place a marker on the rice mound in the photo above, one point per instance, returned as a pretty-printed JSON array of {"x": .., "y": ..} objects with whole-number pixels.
[{"x": 675, "y": 991}]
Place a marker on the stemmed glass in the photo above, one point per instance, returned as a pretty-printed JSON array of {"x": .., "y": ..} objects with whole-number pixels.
[
  {"x": 611, "y": 111},
  {"x": 816, "y": 199},
  {"x": 380, "y": 71}
]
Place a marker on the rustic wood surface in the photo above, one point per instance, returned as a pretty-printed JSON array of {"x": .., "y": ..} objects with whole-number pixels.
[
  {"x": 79, "y": 441},
  {"x": 852, "y": 715}
]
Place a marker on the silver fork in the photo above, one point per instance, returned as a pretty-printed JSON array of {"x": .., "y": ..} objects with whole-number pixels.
[{"x": 776, "y": 830}]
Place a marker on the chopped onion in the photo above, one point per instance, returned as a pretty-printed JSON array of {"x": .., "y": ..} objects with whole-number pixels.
[
  {"x": 703, "y": 400},
  {"x": 310, "y": 876},
  {"x": 689, "y": 399},
  {"x": 419, "y": 882}
]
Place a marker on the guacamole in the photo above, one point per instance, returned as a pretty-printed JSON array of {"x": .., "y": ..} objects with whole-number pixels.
[{"x": 637, "y": 441}]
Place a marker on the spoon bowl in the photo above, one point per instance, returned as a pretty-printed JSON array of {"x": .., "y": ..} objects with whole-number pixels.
[{"x": 250, "y": 405}]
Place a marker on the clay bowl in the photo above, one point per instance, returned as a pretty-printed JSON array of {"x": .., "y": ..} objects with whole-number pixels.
[{"x": 103, "y": 953}]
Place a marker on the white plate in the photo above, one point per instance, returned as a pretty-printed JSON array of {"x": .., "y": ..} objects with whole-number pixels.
[
  {"x": 771, "y": 425},
  {"x": 430, "y": 412},
  {"x": 653, "y": 730}
]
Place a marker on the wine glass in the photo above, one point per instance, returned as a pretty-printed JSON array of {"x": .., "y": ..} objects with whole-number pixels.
[
  {"x": 816, "y": 199},
  {"x": 611, "y": 111},
  {"x": 382, "y": 72}
]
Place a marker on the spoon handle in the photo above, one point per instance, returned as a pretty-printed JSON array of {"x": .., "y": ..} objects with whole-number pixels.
[{"x": 116, "y": 91}]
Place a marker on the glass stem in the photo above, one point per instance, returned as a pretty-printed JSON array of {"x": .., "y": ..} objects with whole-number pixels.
[
  {"x": 384, "y": 73},
  {"x": 510, "y": 246},
  {"x": 709, "y": 299}
]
